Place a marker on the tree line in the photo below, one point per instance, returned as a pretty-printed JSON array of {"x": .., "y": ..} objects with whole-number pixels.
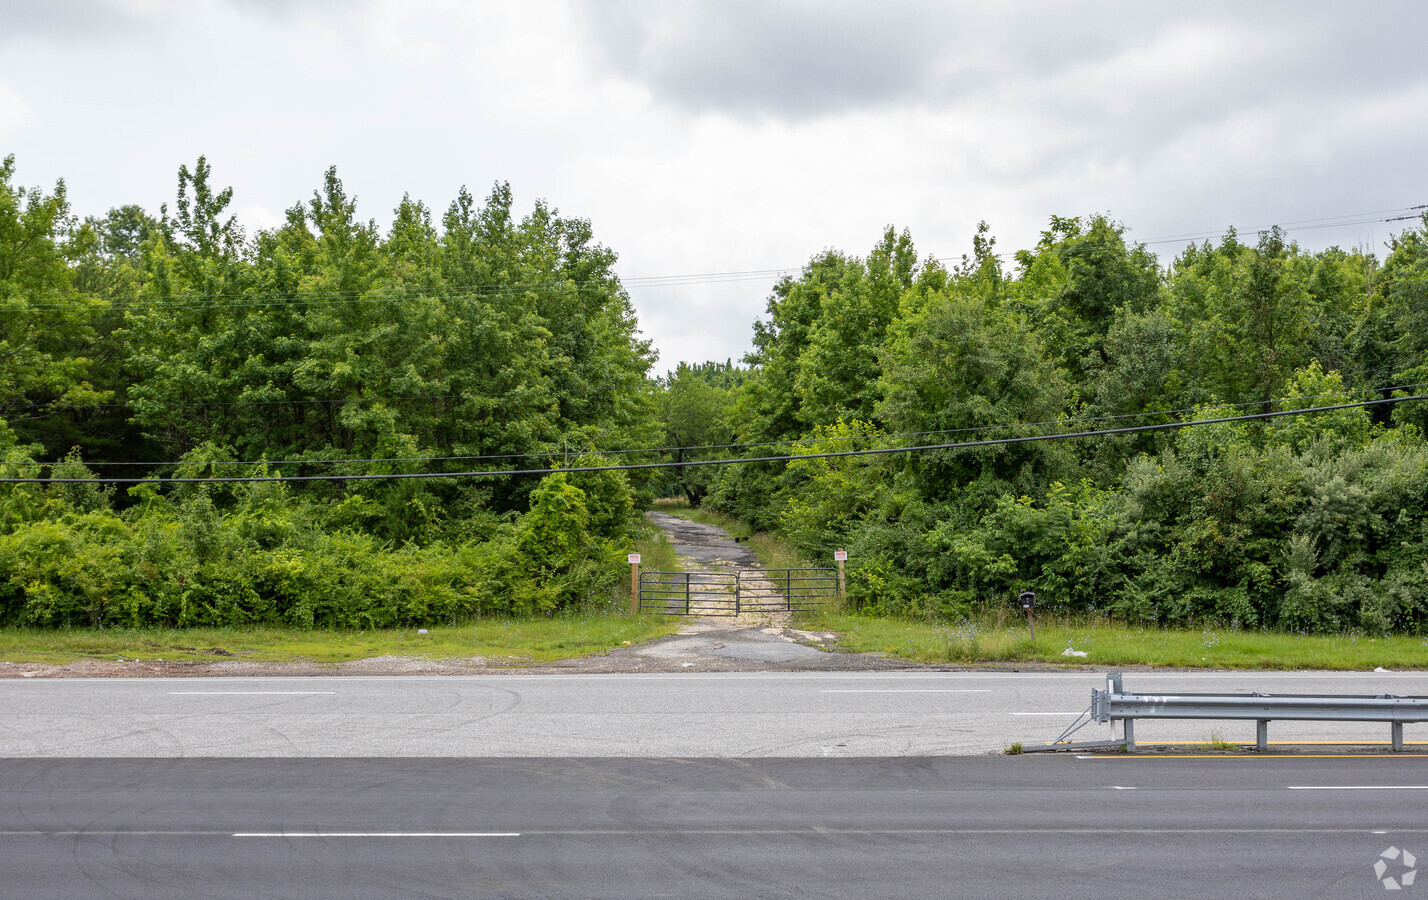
[
  {"x": 178, "y": 345},
  {"x": 1313, "y": 522}
]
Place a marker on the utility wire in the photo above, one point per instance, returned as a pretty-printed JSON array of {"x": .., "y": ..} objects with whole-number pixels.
[
  {"x": 379, "y": 295},
  {"x": 717, "y": 462},
  {"x": 1365, "y": 218},
  {"x": 691, "y": 448}
]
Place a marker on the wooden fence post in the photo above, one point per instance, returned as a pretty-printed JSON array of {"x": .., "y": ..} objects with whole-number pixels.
[{"x": 634, "y": 584}]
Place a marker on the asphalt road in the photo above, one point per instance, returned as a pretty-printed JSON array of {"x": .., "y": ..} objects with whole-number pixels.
[
  {"x": 1112, "y": 826},
  {"x": 885, "y": 714}
]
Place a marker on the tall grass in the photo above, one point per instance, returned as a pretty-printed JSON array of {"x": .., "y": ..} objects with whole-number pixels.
[
  {"x": 1003, "y": 637},
  {"x": 656, "y": 552}
]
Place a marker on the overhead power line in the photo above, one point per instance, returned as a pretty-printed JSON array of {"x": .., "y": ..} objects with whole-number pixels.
[
  {"x": 965, "y": 445},
  {"x": 395, "y": 294},
  {"x": 696, "y": 448}
]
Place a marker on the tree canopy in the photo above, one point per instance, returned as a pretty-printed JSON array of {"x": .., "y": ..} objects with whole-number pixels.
[
  {"x": 1313, "y": 522},
  {"x": 179, "y": 344}
]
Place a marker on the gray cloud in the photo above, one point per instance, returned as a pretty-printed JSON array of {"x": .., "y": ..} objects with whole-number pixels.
[
  {"x": 752, "y": 134},
  {"x": 740, "y": 56},
  {"x": 64, "y": 20},
  {"x": 799, "y": 60},
  {"x": 284, "y": 11}
]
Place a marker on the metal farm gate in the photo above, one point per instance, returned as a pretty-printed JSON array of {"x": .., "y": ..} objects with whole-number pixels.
[
  {"x": 690, "y": 593},
  {"x": 730, "y": 593}
]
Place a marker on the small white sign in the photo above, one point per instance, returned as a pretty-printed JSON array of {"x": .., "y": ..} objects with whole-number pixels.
[
  {"x": 840, "y": 555},
  {"x": 634, "y": 559}
]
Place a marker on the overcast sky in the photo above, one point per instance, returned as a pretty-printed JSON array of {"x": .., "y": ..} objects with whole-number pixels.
[{"x": 734, "y": 136}]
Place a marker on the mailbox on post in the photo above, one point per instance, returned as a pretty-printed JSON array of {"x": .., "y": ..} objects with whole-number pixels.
[{"x": 1028, "y": 603}]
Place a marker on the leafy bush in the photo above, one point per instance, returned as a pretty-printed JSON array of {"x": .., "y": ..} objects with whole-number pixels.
[{"x": 270, "y": 561}]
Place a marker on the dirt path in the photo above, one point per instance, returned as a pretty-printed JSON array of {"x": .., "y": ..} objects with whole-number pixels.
[
  {"x": 752, "y": 642},
  {"x": 762, "y": 641}
]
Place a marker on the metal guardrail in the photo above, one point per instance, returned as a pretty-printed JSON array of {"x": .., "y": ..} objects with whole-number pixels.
[
  {"x": 730, "y": 593},
  {"x": 1114, "y": 704}
]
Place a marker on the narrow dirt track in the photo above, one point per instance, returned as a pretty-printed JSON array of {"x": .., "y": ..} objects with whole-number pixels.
[{"x": 762, "y": 641}]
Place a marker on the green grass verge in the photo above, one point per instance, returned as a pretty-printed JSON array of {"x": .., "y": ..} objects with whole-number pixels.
[
  {"x": 510, "y": 641},
  {"x": 1004, "y": 638}
]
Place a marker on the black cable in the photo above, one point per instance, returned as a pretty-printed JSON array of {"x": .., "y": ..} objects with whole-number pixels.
[
  {"x": 538, "y": 454},
  {"x": 714, "y": 462}
]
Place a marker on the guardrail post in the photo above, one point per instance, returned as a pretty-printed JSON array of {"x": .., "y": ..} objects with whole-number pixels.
[{"x": 1114, "y": 705}]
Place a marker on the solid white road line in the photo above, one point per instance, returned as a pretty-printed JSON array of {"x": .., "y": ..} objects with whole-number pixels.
[
  {"x": 376, "y": 834},
  {"x": 229, "y": 693},
  {"x": 1358, "y": 787},
  {"x": 911, "y": 691}
]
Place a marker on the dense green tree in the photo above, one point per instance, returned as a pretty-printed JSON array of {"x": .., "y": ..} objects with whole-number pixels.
[
  {"x": 1246, "y": 315},
  {"x": 1299, "y": 522},
  {"x": 1074, "y": 283},
  {"x": 46, "y": 330},
  {"x": 771, "y": 406},
  {"x": 1396, "y": 330},
  {"x": 960, "y": 370},
  {"x": 838, "y": 370},
  {"x": 695, "y": 409},
  {"x": 486, "y": 339}
]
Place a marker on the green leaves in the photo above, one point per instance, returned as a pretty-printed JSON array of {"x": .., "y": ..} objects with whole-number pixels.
[
  {"x": 1304, "y": 522},
  {"x": 319, "y": 341},
  {"x": 958, "y": 368}
]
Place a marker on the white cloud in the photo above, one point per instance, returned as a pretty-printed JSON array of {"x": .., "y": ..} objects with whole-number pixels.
[
  {"x": 255, "y": 218},
  {"x": 734, "y": 136},
  {"x": 15, "y": 114}
]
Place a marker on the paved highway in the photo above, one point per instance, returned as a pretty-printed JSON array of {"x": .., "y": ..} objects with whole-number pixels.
[
  {"x": 978, "y": 827},
  {"x": 685, "y": 715}
]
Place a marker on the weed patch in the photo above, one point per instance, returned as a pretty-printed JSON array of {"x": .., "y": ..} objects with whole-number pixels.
[{"x": 992, "y": 637}]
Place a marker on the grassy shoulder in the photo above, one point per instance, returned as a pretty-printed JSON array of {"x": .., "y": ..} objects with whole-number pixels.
[
  {"x": 509, "y": 640},
  {"x": 1004, "y": 638}
]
